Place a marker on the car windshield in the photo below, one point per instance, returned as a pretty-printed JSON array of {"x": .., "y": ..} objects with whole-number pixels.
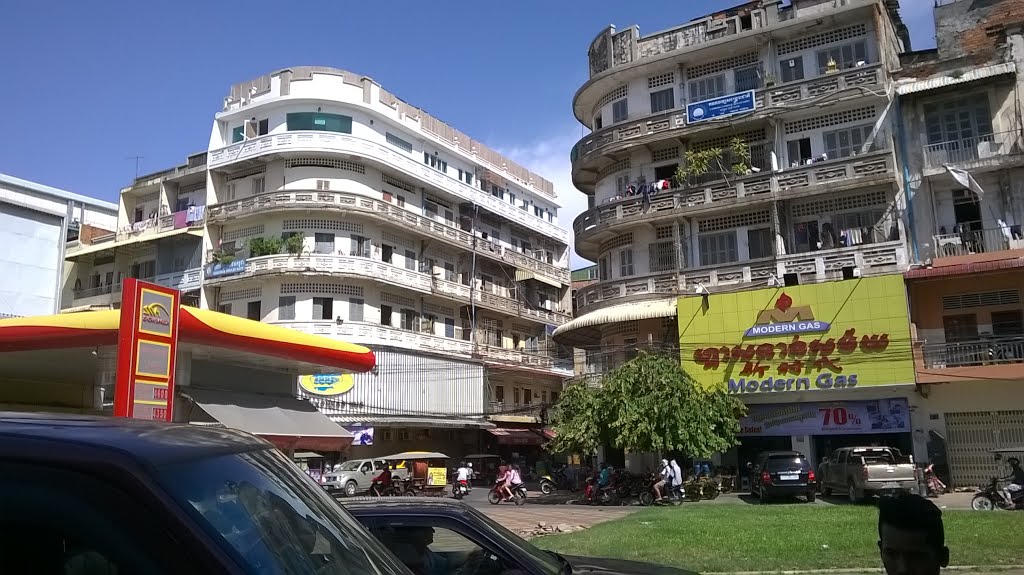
[
  {"x": 349, "y": 466},
  {"x": 785, "y": 463},
  {"x": 272, "y": 517},
  {"x": 547, "y": 560}
]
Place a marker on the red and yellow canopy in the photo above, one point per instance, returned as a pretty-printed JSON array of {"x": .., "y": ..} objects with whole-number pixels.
[{"x": 196, "y": 326}]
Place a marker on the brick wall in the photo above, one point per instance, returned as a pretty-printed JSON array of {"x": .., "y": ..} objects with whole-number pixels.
[
  {"x": 973, "y": 29},
  {"x": 87, "y": 233}
]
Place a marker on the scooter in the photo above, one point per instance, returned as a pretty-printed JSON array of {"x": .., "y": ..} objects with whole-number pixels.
[
  {"x": 460, "y": 489},
  {"x": 934, "y": 486},
  {"x": 992, "y": 498},
  {"x": 547, "y": 484},
  {"x": 497, "y": 495}
]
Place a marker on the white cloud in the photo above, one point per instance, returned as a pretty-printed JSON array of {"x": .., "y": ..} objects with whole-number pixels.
[{"x": 548, "y": 156}]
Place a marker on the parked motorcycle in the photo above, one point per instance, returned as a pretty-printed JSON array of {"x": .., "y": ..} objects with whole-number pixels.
[
  {"x": 547, "y": 484},
  {"x": 992, "y": 498},
  {"x": 709, "y": 488},
  {"x": 460, "y": 489},
  {"x": 933, "y": 484},
  {"x": 497, "y": 495}
]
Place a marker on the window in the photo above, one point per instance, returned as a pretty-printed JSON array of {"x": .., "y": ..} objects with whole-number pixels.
[
  {"x": 954, "y": 121},
  {"x": 355, "y": 309},
  {"x": 319, "y": 121},
  {"x": 799, "y": 151},
  {"x": 324, "y": 243},
  {"x": 497, "y": 191},
  {"x": 323, "y": 185},
  {"x": 846, "y": 142},
  {"x": 446, "y": 548},
  {"x": 960, "y": 328},
  {"x": 435, "y": 162},
  {"x": 598, "y": 122},
  {"x": 845, "y": 56},
  {"x": 620, "y": 111},
  {"x": 748, "y": 78},
  {"x": 554, "y": 397},
  {"x": 238, "y": 134},
  {"x": 231, "y": 192},
  {"x": 792, "y": 69},
  {"x": 140, "y": 214},
  {"x": 604, "y": 268},
  {"x": 515, "y": 395},
  {"x": 663, "y": 100},
  {"x": 224, "y": 308},
  {"x": 398, "y": 142},
  {"x": 499, "y": 393},
  {"x": 386, "y": 252},
  {"x": 466, "y": 176},
  {"x": 385, "y": 315},
  {"x": 258, "y": 185},
  {"x": 449, "y": 272},
  {"x": 759, "y": 243},
  {"x": 401, "y": 201},
  {"x": 323, "y": 308},
  {"x": 662, "y": 256},
  {"x": 430, "y": 209},
  {"x": 361, "y": 246},
  {"x": 718, "y": 248},
  {"x": 629, "y": 348},
  {"x": 527, "y": 396},
  {"x": 1007, "y": 323},
  {"x": 665, "y": 172},
  {"x": 253, "y": 310},
  {"x": 286, "y": 308},
  {"x": 449, "y": 327},
  {"x": 409, "y": 319},
  {"x": 625, "y": 262},
  {"x": 410, "y": 260},
  {"x": 707, "y": 88},
  {"x": 263, "y": 127}
]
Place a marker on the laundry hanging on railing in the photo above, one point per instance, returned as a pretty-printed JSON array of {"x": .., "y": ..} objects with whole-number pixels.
[{"x": 195, "y": 214}]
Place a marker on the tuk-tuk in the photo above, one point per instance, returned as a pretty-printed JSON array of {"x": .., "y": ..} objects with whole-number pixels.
[
  {"x": 485, "y": 468},
  {"x": 422, "y": 472}
]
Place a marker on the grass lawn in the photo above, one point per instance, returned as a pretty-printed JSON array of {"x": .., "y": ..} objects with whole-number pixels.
[{"x": 781, "y": 537}]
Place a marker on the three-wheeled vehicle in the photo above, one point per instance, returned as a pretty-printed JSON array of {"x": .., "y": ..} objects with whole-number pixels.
[
  {"x": 991, "y": 497},
  {"x": 423, "y": 473}
]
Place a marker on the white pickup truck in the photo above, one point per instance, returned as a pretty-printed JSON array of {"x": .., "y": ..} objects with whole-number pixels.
[{"x": 861, "y": 472}]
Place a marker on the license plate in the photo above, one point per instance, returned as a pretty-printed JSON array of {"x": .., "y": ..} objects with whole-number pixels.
[
  {"x": 789, "y": 477},
  {"x": 892, "y": 486}
]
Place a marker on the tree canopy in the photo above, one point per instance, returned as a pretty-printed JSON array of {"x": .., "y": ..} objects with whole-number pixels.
[{"x": 648, "y": 404}]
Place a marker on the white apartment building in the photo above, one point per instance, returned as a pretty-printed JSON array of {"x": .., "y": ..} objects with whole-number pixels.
[
  {"x": 806, "y": 90},
  {"x": 37, "y": 222},
  {"x": 335, "y": 208}
]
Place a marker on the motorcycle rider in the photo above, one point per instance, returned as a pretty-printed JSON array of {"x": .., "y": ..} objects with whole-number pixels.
[
  {"x": 513, "y": 480},
  {"x": 462, "y": 476},
  {"x": 666, "y": 476},
  {"x": 382, "y": 481},
  {"x": 1016, "y": 480},
  {"x": 677, "y": 478}
]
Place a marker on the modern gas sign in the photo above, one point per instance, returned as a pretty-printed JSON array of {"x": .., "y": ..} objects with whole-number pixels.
[{"x": 827, "y": 336}]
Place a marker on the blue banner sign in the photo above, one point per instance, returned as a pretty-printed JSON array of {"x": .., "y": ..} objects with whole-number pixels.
[
  {"x": 229, "y": 269},
  {"x": 720, "y": 107}
]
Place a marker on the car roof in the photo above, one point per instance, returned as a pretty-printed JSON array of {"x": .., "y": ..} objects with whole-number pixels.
[
  {"x": 782, "y": 452},
  {"x": 27, "y": 434},
  {"x": 404, "y": 505}
]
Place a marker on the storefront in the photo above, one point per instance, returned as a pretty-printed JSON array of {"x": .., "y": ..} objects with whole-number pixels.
[{"x": 820, "y": 366}]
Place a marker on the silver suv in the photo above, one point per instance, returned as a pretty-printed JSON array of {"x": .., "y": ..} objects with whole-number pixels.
[{"x": 353, "y": 477}]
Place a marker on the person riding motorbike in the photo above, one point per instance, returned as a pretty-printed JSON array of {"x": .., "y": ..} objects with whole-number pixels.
[
  {"x": 677, "y": 478},
  {"x": 513, "y": 480},
  {"x": 935, "y": 486},
  {"x": 665, "y": 473},
  {"x": 382, "y": 481},
  {"x": 462, "y": 475},
  {"x": 1016, "y": 480}
]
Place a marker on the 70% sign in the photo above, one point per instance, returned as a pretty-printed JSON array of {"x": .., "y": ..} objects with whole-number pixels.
[{"x": 837, "y": 416}]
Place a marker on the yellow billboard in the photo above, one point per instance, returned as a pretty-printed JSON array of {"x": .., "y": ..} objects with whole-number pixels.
[{"x": 829, "y": 336}]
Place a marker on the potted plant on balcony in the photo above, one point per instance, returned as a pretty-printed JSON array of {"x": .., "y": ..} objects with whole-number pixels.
[
  {"x": 713, "y": 161},
  {"x": 294, "y": 244},
  {"x": 769, "y": 80},
  {"x": 265, "y": 246}
]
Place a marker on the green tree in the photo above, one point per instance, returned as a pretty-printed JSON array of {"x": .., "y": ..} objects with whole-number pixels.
[{"x": 648, "y": 404}]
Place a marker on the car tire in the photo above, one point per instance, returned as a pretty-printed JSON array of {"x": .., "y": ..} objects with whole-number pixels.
[
  {"x": 851, "y": 493},
  {"x": 761, "y": 497},
  {"x": 811, "y": 496},
  {"x": 351, "y": 489},
  {"x": 826, "y": 491}
]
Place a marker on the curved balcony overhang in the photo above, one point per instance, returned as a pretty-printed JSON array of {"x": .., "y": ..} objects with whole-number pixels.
[
  {"x": 370, "y": 270},
  {"x": 585, "y": 330},
  {"x": 605, "y": 221},
  {"x": 591, "y": 153},
  {"x": 811, "y": 267},
  {"x": 351, "y": 203},
  {"x": 591, "y": 92},
  {"x": 275, "y": 145}
]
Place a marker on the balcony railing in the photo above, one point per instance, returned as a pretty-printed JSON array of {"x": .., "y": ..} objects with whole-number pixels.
[
  {"x": 818, "y": 177},
  {"x": 971, "y": 242},
  {"x": 184, "y": 280},
  {"x": 655, "y": 127},
  {"x": 191, "y": 218},
  {"x": 508, "y": 408},
  {"x": 333, "y": 264},
  {"x": 386, "y": 212},
  {"x": 538, "y": 359},
  {"x": 811, "y": 267},
  {"x": 983, "y": 351},
  {"x": 360, "y": 147},
  {"x": 972, "y": 149}
]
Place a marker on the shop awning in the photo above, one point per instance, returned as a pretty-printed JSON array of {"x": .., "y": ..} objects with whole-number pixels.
[
  {"x": 200, "y": 327},
  {"x": 971, "y": 75},
  {"x": 414, "y": 422},
  {"x": 510, "y": 436},
  {"x": 523, "y": 275},
  {"x": 963, "y": 269},
  {"x": 284, "y": 421},
  {"x": 585, "y": 329}
]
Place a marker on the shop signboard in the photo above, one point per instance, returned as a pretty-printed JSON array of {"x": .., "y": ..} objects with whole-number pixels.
[
  {"x": 219, "y": 270},
  {"x": 721, "y": 107},
  {"x": 361, "y": 435},
  {"x": 327, "y": 383},
  {"x": 826, "y": 337},
  {"x": 827, "y": 418},
  {"x": 146, "y": 348}
]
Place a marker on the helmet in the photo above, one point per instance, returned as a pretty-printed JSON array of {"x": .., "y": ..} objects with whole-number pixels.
[
  {"x": 1013, "y": 461},
  {"x": 471, "y": 465}
]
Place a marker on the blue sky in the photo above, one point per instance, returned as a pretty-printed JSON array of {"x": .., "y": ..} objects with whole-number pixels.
[{"x": 88, "y": 84}]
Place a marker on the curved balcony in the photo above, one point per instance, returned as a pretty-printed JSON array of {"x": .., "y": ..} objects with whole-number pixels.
[
  {"x": 812, "y": 267},
  {"x": 497, "y": 302},
  {"x": 384, "y": 212},
  {"x": 769, "y": 101},
  {"x": 819, "y": 178},
  {"x": 328, "y": 142}
]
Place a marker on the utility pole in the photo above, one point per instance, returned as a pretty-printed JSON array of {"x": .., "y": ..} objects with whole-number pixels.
[{"x": 136, "y": 158}]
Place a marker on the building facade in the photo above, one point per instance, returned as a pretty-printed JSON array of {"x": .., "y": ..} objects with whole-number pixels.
[
  {"x": 752, "y": 148},
  {"x": 335, "y": 208},
  {"x": 960, "y": 110},
  {"x": 37, "y": 223}
]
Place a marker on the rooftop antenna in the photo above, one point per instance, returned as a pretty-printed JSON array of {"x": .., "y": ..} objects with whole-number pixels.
[{"x": 136, "y": 158}]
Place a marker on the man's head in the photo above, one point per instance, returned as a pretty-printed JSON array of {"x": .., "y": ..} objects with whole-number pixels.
[
  {"x": 911, "y": 538},
  {"x": 1014, "y": 462}
]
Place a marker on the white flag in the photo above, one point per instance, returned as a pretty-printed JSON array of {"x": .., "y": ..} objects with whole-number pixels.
[{"x": 965, "y": 179}]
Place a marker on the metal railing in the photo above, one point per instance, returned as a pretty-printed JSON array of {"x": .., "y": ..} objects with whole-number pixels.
[
  {"x": 972, "y": 149},
  {"x": 971, "y": 242},
  {"x": 997, "y": 350}
]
